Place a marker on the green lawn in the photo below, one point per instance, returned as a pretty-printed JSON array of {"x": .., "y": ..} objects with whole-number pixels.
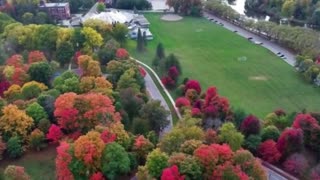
[
  {"x": 212, "y": 55},
  {"x": 39, "y": 165}
]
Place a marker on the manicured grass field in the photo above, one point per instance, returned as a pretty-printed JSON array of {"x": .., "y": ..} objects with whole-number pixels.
[{"x": 251, "y": 77}]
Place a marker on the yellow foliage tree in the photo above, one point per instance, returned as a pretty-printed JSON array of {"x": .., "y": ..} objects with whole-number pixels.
[
  {"x": 31, "y": 83},
  {"x": 15, "y": 122},
  {"x": 13, "y": 93},
  {"x": 89, "y": 66}
]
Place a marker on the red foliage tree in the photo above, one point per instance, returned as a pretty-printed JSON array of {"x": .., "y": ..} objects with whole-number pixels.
[
  {"x": 168, "y": 82},
  {"x": 213, "y": 155},
  {"x": 83, "y": 112},
  {"x": 173, "y": 73},
  {"x": 214, "y": 105},
  {"x": 54, "y": 133},
  {"x": 97, "y": 176},
  {"x": 296, "y": 164},
  {"x": 195, "y": 112},
  {"x": 304, "y": 121},
  {"x": 290, "y": 141},
  {"x": 76, "y": 56},
  {"x": 122, "y": 54},
  {"x": 62, "y": 162},
  {"x": 172, "y": 173},
  {"x": 193, "y": 84},
  {"x": 229, "y": 171},
  {"x": 182, "y": 102},
  {"x": 250, "y": 125},
  {"x": 4, "y": 85},
  {"x": 268, "y": 151},
  {"x": 15, "y": 60},
  {"x": 36, "y": 56},
  {"x": 108, "y": 137},
  {"x": 19, "y": 76}
]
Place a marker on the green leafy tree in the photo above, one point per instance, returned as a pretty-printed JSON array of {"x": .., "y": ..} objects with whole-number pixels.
[
  {"x": 101, "y": 7},
  {"x": 78, "y": 39},
  {"x": 116, "y": 161},
  {"x": 41, "y": 18},
  {"x": 67, "y": 82},
  {"x": 231, "y": 136},
  {"x": 92, "y": 38},
  {"x": 155, "y": 114},
  {"x": 27, "y": 18},
  {"x": 65, "y": 52},
  {"x": 156, "y": 162},
  {"x": 41, "y": 72},
  {"x": 14, "y": 147},
  {"x": 45, "y": 38},
  {"x": 252, "y": 142},
  {"x": 119, "y": 33},
  {"x": 37, "y": 112},
  {"x": 128, "y": 80}
]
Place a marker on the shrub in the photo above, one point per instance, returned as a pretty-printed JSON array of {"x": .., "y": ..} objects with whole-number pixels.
[
  {"x": 252, "y": 142},
  {"x": 14, "y": 147},
  {"x": 37, "y": 112},
  {"x": 193, "y": 84},
  {"x": 191, "y": 168},
  {"x": 156, "y": 162},
  {"x": 36, "y": 139},
  {"x": 182, "y": 102},
  {"x": 250, "y": 125},
  {"x": 279, "y": 120},
  {"x": 229, "y": 134},
  {"x": 270, "y": 132},
  {"x": 296, "y": 164},
  {"x": 3, "y": 147},
  {"x": 190, "y": 146},
  {"x": 176, "y": 159},
  {"x": 54, "y": 134},
  {"x": 15, "y": 173},
  {"x": 168, "y": 82},
  {"x": 171, "y": 173},
  {"x": 290, "y": 141},
  {"x": 117, "y": 161},
  {"x": 268, "y": 151}
]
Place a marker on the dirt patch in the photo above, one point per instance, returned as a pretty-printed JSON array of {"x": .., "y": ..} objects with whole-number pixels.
[
  {"x": 171, "y": 17},
  {"x": 258, "y": 78}
]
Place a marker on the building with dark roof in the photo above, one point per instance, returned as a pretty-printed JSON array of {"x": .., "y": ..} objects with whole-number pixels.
[{"x": 59, "y": 11}]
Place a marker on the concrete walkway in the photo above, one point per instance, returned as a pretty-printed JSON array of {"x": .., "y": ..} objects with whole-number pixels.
[{"x": 273, "y": 47}]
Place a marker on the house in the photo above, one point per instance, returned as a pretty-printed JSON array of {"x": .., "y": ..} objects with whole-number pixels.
[
  {"x": 59, "y": 11},
  {"x": 133, "y": 32},
  {"x": 141, "y": 21}
]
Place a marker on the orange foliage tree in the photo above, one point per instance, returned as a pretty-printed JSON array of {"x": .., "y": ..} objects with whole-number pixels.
[{"x": 89, "y": 66}]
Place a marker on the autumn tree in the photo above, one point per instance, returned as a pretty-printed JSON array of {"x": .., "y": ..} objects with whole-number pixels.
[
  {"x": 229, "y": 134},
  {"x": 89, "y": 66},
  {"x": 37, "y": 112},
  {"x": 92, "y": 38},
  {"x": 36, "y": 56},
  {"x": 156, "y": 162},
  {"x": 100, "y": 26},
  {"x": 68, "y": 81},
  {"x": 15, "y": 122}
]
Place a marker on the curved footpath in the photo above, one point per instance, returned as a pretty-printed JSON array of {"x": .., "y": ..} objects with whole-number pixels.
[
  {"x": 273, "y": 172},
  {"x": 273, "y": 47}
]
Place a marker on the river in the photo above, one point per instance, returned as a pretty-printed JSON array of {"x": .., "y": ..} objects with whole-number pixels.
[{"x": 239, "y": 6}]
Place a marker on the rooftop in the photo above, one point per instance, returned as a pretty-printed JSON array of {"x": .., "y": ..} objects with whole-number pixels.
[{"x": 55, "y": 5}]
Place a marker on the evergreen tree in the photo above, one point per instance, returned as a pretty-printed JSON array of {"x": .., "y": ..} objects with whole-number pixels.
[
  {"x": 160, "y": 51},
  {"x": 145, "y": 43},
  {"x": 140, "y": 44}
]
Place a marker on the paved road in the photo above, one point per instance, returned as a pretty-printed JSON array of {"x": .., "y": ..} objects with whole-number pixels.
[
  {"x": 155, "y": 94},
  {"x": 275, "y": 48}
]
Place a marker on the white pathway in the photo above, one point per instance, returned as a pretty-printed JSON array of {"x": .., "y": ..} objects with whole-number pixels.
[{"x": 273, "y": 47}]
